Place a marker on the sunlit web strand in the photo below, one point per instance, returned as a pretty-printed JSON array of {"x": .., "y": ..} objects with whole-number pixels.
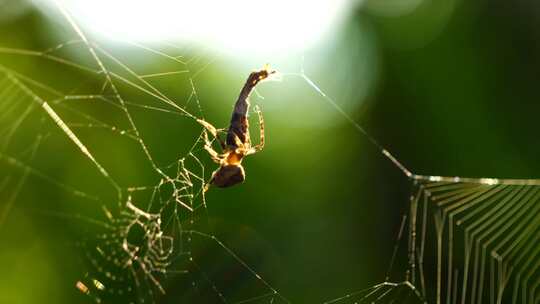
[
  {"x": 394, "y": 160},
  {"x": 91, "y": 49},
  {"x": 467, "y": 198},
  {"x": 61, "y": 124},
  {"x": 115, "y": 239},
  {"x": 109, "y": 80}
]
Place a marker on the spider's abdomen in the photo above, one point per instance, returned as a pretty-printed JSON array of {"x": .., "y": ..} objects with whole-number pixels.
[{"x": 228, "y": 175}]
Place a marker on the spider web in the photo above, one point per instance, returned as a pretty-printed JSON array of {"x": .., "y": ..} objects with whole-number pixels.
[
  {"x": 462, "y": 240},
  {"x": 154, "y": 232}
]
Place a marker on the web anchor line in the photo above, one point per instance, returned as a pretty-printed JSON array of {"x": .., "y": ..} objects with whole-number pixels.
[
  {"x": 357, "y": 126},
  {"x": 394, "y": 160},
  {"x": 492, "y": 218}
]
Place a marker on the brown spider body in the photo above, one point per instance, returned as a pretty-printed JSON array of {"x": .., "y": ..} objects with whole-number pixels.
[{"x": 238, "y": 142}]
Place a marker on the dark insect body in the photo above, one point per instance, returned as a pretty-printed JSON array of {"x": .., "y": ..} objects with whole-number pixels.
[{"x": 237, "y": 144}]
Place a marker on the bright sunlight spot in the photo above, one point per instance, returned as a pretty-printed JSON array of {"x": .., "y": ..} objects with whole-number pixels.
[{"x": 238, "y": 26}]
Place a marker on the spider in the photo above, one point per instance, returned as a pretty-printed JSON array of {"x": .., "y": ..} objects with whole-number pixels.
[{"x": 238, "y": 143}]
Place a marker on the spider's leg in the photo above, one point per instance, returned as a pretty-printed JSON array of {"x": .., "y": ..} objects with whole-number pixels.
[
  {"x": 210, "y": 128},
  {"x": 209, "y": 183},
  {"x": 221, "y": 142},
  {"x": 260, "y": 146},
  {"x": 216, "y": 157},
  {"x": 237, "y": 141}
]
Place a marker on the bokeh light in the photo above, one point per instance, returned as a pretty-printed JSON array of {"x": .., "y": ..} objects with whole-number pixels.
[{"x": 239, "y": 25}]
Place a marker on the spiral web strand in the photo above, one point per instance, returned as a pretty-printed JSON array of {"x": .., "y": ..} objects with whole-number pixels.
[{"x": 462, "y": 240}]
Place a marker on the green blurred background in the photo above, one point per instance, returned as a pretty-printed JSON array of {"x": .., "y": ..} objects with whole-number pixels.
[{"x": 449, "y": 87}]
